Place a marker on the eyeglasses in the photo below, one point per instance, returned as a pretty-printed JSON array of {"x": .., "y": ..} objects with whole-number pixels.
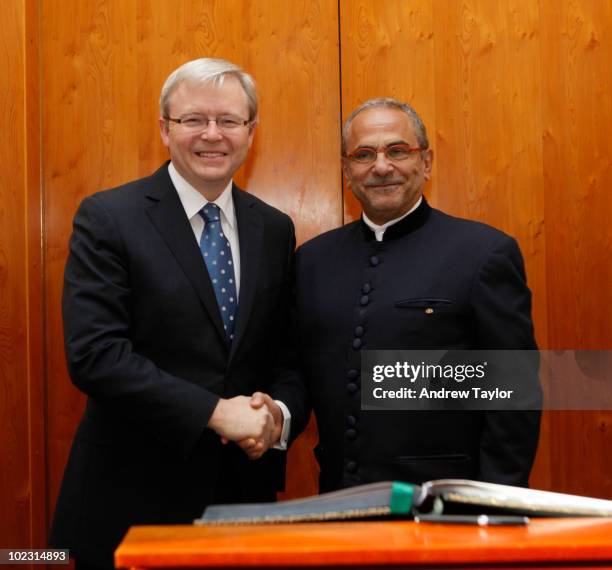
[
  {"x": 393, "y": 152},
  {"x": 198, "y": 123}
]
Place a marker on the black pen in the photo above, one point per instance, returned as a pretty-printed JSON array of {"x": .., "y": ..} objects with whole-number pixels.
[{"x": 480, "y": 520}]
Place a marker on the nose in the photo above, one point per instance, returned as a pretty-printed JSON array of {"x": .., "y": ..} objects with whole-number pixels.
[
  {"x": 382, "y": 165},
  {"x": 211, "y": 131}
]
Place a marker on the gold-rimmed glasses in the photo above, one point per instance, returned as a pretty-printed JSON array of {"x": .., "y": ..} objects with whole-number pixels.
[{"x": 394, "y": 153}]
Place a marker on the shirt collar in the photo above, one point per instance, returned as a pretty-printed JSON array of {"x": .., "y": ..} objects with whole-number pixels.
[
  {"x": 193, "y": 201},
  {"x": 380, "y": 230}
]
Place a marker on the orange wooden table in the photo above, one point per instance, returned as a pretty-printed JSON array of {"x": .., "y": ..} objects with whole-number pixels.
[{"x": 549, "y": 543}]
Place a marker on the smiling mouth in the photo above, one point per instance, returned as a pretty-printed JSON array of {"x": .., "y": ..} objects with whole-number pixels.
[
  {"x": 210, "y": 154},
  {"x": 383, "y": 184}
]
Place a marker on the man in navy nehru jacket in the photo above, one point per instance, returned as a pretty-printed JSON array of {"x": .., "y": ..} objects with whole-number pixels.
[{"x": 407, "y": 276}]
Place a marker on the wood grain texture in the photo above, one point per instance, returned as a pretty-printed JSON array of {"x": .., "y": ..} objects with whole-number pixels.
[
  {"x": 387, "y": 51},
  {"x": 293, "y": 53},
  {"x": 578, "y": 171},
  {"x": 488, "y": 137},
  {"x": 488, "y": 125},
  {"x": 14, "y": 482},
  {"x": 517, "y": 99},
  {"x": 577, "y": 158},
  {"x": 22, "y": 480},
  {"x": 89, "y": 143},
  {"x": 549, "y": 543},
  {"x": 302, "y": 469},
  {"x": 36, "y": 365}
]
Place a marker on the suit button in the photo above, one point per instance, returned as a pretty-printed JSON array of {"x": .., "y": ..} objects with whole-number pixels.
[
  {"x": 352, "y": 373},
  {"x": 366, "y": 288},
  {"x": 359, "y": 331},
  {"x": 351, "y": 466},
  {"x": 351, "y": 387},
  {"x": 351, "y": 434},
  {"x": 364, "y": 300},
  {"x": 357, "y": 343},
  {"x": 374, "y": 261},
  {"x": 351, "y": 421}
]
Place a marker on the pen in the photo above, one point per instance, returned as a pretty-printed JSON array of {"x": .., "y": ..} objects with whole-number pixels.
[{"x": 480, "y": 520}]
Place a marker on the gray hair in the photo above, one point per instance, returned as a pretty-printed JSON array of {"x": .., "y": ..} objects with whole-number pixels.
[
  {"x": 419, "y": 128},
  {"x": 208, "y": 70}
]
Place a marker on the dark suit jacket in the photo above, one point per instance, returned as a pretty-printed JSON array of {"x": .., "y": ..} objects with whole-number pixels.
[
  {"x": 354, "y": 293},
  {"x": 145, "y": 342}
]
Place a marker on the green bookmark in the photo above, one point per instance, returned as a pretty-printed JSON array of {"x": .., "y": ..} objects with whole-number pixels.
[{"x": 401, "y": 498}]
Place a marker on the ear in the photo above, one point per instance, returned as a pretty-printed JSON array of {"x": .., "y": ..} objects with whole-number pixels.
[
  {"x": 346, "y": 169},
  {"x": 164, "y": 131},
  {"x": 252, "y": 127},
  {"x": 428, "y": 157}
]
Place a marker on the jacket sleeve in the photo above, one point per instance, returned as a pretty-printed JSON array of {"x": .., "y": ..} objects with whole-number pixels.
[
  {"x": 101, "y": 358},
  {"x": 288, "y": 383},
  {"x": 501, "y": 302}
]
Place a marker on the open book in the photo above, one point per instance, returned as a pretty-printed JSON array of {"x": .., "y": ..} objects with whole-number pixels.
[{"x": 396, "y": 499}]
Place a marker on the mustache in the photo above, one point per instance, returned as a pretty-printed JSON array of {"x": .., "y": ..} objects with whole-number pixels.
[{"x": 383, "y": 182}]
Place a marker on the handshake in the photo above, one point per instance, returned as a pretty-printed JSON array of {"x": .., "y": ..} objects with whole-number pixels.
[{"x": 254, "y": 424}]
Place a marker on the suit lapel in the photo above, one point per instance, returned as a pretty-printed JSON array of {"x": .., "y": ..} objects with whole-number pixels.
[
  {"x": 250, "y": 235},
  {"x": 168, "y": 217}
]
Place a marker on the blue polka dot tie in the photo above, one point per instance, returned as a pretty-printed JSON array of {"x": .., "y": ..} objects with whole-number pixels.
[{"x": 218, "y": 258}]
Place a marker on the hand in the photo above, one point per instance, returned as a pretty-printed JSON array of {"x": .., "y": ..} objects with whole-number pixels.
[
  {"x": 235, "y": 419},
  {"x": 255, "y": 448}
]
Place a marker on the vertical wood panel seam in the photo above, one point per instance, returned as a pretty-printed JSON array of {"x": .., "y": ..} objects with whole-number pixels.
[
  {"x": 34, "y": 268},
  {"x": 26, "y": 237},
  {"x": 342, "y": 185},
  {"x": 544, "y": 262},
  {"x": 433, "y": 133}
]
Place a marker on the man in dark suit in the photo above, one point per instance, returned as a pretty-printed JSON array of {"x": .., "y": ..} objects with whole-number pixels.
[
  {"x": 175, "y": 308},
  {"x": 407, "y": 276}
]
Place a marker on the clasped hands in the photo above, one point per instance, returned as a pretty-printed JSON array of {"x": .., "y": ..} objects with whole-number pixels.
[{"x": 254, "y": 423}]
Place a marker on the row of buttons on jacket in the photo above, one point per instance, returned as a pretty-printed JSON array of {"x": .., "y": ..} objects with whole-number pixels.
[{"x": 351, "y": 466}]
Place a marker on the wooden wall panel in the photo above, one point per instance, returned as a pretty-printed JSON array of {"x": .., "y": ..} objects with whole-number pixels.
[
  {"x": 103, "y": 69},
  {"x": 577, "y": 122},
  {"x": 517, "y": 99},
  {"x": 89, "y": 143},
  {"x": 22, "y": 471},
  {"x": 487, "y": 82},
  {"x": 488, "y": 77},
  {"x": 578, "y": 171},
  {"x": 387, "y": 51},
  {"x": 14, "y": 481}
]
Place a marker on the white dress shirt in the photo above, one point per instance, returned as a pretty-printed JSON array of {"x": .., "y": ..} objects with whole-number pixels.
[
  {"x": 193, "y": 202},
  {"x": 379, "y": 231}
]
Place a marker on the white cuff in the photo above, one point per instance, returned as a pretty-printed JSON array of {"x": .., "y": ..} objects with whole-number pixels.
[{"x": 284, "y": 437}]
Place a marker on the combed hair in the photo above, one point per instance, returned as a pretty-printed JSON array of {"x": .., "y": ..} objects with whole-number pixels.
[
  {"x": 208, "y": 70},
  {"x": 419, "y": 128}
]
